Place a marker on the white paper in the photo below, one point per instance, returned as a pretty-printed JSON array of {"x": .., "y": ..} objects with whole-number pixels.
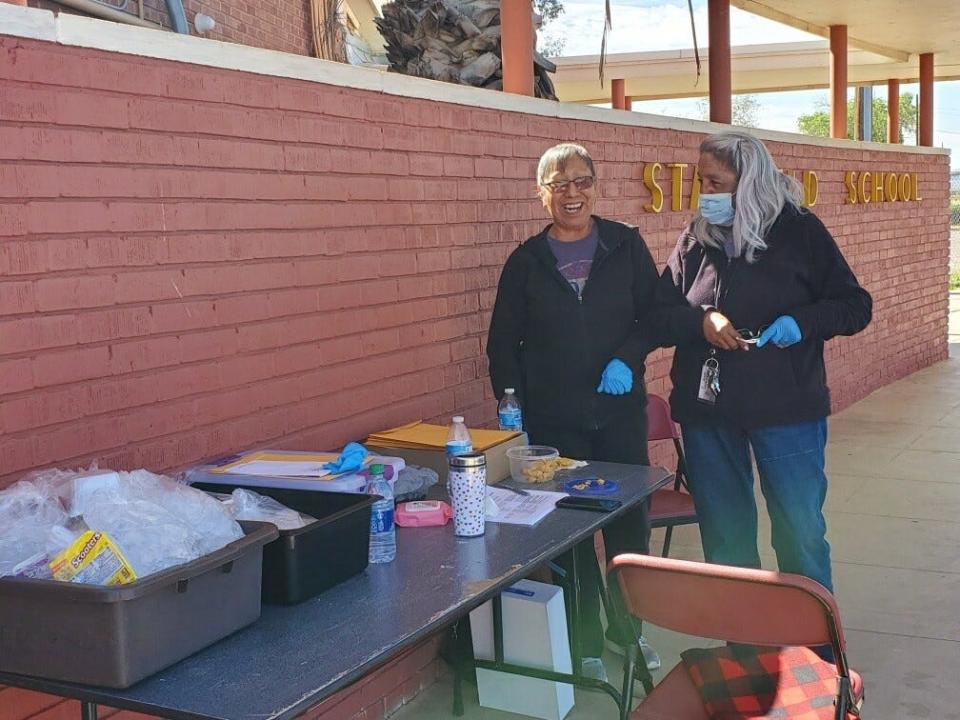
[
  {"x": 281, "y": 468},
  {"x": 522, "y": 509}
]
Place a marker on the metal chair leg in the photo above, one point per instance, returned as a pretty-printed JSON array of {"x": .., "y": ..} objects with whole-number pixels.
[
  {"x": 88, "y": 710},
  {"x": 666, "y": 541},
  {"x": 644, "y": 676},
  {"x": 629, "y": 668}
]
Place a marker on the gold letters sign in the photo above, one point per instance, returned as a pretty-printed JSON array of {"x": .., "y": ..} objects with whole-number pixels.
[{"x": 863, "y": 187}]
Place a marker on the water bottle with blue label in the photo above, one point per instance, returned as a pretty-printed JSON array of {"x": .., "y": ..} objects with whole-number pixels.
[
  {"x": 509, "y": 413},
  {"x": 383, "y": 533},
  {"x": 458, "y": 439}
]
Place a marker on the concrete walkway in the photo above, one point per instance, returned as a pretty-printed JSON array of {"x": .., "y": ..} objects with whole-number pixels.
[
  {"x": 893, "y": 514},
  {"x": 954, "y": 321}
]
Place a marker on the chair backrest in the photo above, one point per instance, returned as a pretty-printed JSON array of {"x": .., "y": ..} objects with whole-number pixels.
[
  {"x": 660, "y": 426},
  {"x": 755, "y": 607}
]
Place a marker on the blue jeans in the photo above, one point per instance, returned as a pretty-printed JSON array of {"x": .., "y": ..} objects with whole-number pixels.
[{"x": 790, "y": 459}]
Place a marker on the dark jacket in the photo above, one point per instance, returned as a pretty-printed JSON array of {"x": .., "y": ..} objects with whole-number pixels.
[
  {"x": 552, "y": 347},
  {"x": 802, "y": 274}
]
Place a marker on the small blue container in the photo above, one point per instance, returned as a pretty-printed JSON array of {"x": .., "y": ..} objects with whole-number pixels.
[{"x": 591, "y": 486}]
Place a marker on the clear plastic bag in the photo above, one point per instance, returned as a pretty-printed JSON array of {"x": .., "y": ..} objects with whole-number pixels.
[
  {"x": 248, "y": 505},
  {"x": 28, "y": 513},
  {"x": 156, "y": 522}
]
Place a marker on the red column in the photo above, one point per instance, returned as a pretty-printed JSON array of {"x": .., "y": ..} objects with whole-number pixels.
[
  {"x": 838, "y": 81},
  {"x": 718, "y": 14},
  {"x": 516, "y": 43},
  {"x": 925, "y": 119},
  {"x": 628, "y": 103},
  {"x": 618, "y": 98},
  {"x": 893, "y": 111}
]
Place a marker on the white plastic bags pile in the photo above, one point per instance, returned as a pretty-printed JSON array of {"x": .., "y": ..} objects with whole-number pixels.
[{"x": 156, "y": 522}]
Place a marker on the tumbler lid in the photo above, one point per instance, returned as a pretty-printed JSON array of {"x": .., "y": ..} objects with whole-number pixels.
[{"x": 470, "y": 460}]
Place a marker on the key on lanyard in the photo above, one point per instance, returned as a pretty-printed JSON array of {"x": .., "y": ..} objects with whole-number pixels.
[{"x": 709, "y": 380}]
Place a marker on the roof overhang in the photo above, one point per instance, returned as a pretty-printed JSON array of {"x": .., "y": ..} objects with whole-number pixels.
[{"x": 885, "y": 38}]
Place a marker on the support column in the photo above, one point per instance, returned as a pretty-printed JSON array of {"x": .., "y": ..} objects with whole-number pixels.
[
  {"x": 628, "y": 102},
  {"x": 893, "y": 111},
  {"x": 925, "y": 112},
  {"x": 721, "y": 89},
  {"x": 618, "y": 97},
  {"x": 863, "y": 122},
  {"x": 838, "y": 81},
  {"x": 516, "y": 43}
]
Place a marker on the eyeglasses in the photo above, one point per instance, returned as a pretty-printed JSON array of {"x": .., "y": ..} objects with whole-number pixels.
[
  {"x": 751, "y": 336},
  {"x": 560, "y": 186}
]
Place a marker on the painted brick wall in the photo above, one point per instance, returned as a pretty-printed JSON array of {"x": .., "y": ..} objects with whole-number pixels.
[
  {"x": 194, "y": 261},
  {"x": 272, "y": 24}
]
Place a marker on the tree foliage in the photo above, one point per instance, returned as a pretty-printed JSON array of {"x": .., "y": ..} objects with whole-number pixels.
[
  {"x": 818, "y": 122},
  {"x": 744, "y": 111},
  {"x": 548, "y": 44}
]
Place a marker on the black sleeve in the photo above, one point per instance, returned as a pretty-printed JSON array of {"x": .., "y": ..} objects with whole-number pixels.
[
  {"x": 664, "y": 317},
  {"x": 842, "y": 306},
  {"x": 508, "y": 328},
  {"x": 634, "y": 351},
  {"x": 673, "y": 321}
]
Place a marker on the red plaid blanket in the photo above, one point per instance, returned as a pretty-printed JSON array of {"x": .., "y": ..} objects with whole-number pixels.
[{"x": 743, "y": 682}]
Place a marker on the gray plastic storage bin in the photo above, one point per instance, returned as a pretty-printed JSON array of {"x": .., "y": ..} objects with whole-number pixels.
[{"x": 116, "y": 636}]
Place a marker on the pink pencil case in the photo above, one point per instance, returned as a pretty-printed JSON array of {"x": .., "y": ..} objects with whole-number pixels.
[{"x": 423, "y": 513}]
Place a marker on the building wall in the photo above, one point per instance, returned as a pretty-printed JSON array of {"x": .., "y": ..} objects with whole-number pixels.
[
  {"x": 196, "y": 260},
  {"x": 272, "y": 24}
]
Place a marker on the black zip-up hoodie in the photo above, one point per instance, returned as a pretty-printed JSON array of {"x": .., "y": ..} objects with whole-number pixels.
[
  {"x": 552, "y": 347},
  {"x": 802, "y": 273}
]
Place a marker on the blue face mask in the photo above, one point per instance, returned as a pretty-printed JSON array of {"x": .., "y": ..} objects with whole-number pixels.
[{"x": 717, "y": 208}]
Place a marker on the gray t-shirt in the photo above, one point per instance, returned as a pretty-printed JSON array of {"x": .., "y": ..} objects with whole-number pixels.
[{"x": 574, "y": 259}]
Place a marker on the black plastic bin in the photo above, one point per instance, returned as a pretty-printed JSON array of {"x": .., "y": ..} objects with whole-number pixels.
[
  {"x": 116, "y": 636},
  {"x": 304, "y": 562}
]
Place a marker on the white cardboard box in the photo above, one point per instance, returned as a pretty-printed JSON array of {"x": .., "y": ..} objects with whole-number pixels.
[{"x": 535, "y": 635}]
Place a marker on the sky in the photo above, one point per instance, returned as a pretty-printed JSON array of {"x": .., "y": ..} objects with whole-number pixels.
[{"x": 648, "y": 25}]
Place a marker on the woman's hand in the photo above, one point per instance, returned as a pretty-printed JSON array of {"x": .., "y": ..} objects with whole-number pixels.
[{"x": 720, "y": 332}]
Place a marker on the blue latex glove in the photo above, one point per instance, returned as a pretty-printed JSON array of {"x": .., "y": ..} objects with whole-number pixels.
[
  {"x": 783, "y": 332},
  {"x": 350, "y": 460},
  {"x": 617, "y": 378}
]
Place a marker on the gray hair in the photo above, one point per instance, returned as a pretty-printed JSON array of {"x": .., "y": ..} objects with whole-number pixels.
[
  {"x": 557, "y": 157},
  {"x": 761, "y": 194}
]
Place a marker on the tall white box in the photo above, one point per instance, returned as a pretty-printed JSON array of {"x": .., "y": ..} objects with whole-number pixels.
[{"x": 534, "y": 635}]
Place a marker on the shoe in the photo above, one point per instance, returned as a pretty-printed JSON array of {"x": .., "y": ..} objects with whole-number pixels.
[
  {"x": 592, "y": 667},
  {"x": 650, "y": 656}
]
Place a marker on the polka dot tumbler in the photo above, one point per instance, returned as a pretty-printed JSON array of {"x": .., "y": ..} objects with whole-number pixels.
[{"x": 467, "y": 484}]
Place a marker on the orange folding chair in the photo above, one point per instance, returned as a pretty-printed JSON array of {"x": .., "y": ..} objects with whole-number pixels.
[
  {"x": 739, "y": 605},
  {"x": 669, "y": 507}
]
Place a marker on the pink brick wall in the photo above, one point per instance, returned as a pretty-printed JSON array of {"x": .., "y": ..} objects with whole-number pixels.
[{"x": 194, "y": 261}]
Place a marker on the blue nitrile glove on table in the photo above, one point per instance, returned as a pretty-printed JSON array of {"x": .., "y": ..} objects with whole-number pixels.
[
  {"x": 783, "y": 332},
  {"x": 350, "y": 460},
  {"x": 617, "y": 378}
]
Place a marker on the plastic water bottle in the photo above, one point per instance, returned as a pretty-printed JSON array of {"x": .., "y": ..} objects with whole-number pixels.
[
  {"x": 511, "y": 417},
  {"x": 383, "y": 533},
  {"x": 458, "y": 439}
]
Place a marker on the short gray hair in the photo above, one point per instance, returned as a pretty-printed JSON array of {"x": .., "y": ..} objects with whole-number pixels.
[
  {"x": 762, "y": 193},
  {"x": 557, "y": 157}
]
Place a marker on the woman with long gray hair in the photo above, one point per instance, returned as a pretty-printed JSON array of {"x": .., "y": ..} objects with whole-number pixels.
[{"x": 763, "y": 285}]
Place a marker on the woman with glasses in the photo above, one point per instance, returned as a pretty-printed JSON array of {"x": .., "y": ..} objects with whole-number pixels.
[
  {"x": 566, "y": 333},
  {"x": 764, "y": 285}
]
